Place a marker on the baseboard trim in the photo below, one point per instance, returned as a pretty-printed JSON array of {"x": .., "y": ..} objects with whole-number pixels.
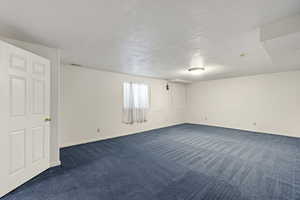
[
  {"x": 245, "y": 129},
  {"x": 69, "y": 144},
  {"x": 56, "y": 163},
  {"x": 107, "y": 138}
]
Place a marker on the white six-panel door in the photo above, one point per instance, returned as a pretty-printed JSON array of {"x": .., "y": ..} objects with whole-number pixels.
[{"x": 24, "y": 116}]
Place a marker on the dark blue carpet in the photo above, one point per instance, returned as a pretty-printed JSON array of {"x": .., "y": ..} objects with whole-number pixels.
[{"x": 184, "y": 162}]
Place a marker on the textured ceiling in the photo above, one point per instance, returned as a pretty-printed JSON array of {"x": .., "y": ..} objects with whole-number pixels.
[{"x": 153, "y": 38}]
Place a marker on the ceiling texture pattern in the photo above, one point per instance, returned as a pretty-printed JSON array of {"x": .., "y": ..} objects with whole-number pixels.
[{"x": 159, "y": 39}]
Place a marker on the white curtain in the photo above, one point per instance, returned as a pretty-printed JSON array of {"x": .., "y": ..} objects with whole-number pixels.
[{"x": 135, "y": 102}]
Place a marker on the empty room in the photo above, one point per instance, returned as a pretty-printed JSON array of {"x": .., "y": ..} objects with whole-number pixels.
[{"x": 150, "y": 100}]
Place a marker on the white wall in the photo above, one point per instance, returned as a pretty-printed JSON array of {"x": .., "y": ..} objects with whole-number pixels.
[
  {"x": 271, "y": 101},
  {"x": 54, "y": 56},
  {"x": 93, "y": 99}
]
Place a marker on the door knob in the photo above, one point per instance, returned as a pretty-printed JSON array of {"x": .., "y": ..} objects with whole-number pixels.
[{"x": 47, "y": 119}]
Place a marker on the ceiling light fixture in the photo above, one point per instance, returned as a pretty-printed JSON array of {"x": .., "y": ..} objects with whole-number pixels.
[
  {"x": 176, "y": 80},
  {"x": 191, "y": 69},
  {"x": 75, "y": 65}
]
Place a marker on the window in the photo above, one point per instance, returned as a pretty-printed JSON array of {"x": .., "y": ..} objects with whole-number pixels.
[{"x": 135, "y": 102}]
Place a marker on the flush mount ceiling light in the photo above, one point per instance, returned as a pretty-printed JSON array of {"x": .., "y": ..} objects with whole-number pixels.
[
  {"x": 191, "y": 69},
  {"x": 75, "y": 65}
]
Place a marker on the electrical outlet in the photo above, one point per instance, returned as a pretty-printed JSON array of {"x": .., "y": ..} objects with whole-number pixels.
[
  {"x": 205, "y": 118},
  {"x": 98, "y": 130},
  {"x": 254, "y": 123}
]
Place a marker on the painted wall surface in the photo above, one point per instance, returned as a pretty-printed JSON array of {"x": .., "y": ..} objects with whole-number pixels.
[
  {"x": 264, "y": 103},
  {"x": 92, "y": 99},
  {"x": 54, "y": 56}
]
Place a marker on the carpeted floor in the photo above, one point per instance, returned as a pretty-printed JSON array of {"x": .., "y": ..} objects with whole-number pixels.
[{"x": 186, "y": 162}]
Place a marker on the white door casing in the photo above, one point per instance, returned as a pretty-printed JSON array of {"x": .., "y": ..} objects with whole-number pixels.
[{"x": 24, "y": 106}]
